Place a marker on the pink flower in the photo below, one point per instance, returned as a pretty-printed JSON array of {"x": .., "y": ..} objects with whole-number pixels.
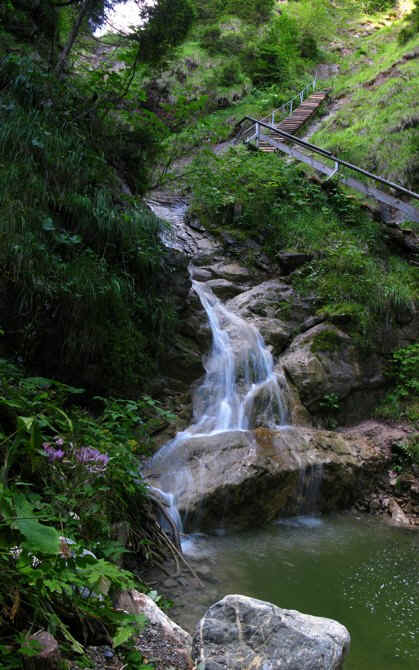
[
  {"x": 92, "y": 457},
  {"x": 51, "y": 453}
]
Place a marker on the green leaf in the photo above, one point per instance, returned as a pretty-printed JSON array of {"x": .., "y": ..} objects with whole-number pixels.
[
  {"x": 123, "y": 634},
  {"x": 25, "y": 422},
  {"x": 36, "y": 437},
  {"x": 39, "y": 538},
  {"x": 66, "y": 417}
]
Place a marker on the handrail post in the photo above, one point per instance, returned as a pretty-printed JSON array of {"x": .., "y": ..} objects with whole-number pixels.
[
  {"x": 257, "y": 135},
  {"x": 273, "y": 118},
  {"x": 290, "y": 106}
]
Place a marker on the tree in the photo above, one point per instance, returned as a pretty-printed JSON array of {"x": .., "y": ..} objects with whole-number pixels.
[{"x": 92, "y": 11}]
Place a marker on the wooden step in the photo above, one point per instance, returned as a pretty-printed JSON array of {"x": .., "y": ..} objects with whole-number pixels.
[{"x": 292, "y": 123}]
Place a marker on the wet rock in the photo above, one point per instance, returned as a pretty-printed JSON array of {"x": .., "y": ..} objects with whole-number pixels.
[
  {"x": 246, "y": 478},
  {"x": 241, "y": 633},
  {"x": 275, "y": 309},
  {"x": 232, "y": 272},
  {"x": 398, "y": 517},
  {"x": 223, "y": 288},
  {"x": 48, "y": 657},
  {"x": 162, "y": 641},
  {"x": 200, "y": 274}
]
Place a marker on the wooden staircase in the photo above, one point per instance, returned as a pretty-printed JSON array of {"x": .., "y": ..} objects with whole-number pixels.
[{"x": 297, "y": 119}]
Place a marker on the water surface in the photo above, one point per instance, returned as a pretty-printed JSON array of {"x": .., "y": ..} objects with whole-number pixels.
[{"x": 359, "y": 571}]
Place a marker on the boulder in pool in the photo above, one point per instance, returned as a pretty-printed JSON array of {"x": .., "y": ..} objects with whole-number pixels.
[{"x": 241, "y": 633}]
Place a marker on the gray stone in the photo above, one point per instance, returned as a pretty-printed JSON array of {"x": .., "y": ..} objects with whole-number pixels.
[
  {"x": 398, "y": 517},
  {"x": 241, "y": 633},
  {"x": 48, "y": 657},
  {"x": 275, "y": 309},
  {"x": 324, "y": 360},
  {"x": 223, "y": 288},
  {"x": 245, "y": 478},
  {"x": 161, "y": 632}
]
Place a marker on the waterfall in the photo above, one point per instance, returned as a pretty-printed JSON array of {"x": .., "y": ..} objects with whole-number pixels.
[
  {"x": 240, "y": 389},
  {"x": 239, "y": 373}
]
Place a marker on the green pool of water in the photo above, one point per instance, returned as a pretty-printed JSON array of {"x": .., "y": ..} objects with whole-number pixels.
[{"x": 359, "y": 571}]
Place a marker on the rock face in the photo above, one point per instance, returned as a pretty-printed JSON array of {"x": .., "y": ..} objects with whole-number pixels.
[
  {"x": 324, "y": 360},
  {"x": 162, "y": 641},
  {"x": 245, "y": 478},
  {"x": 274, "y": 308},
  {"x": 240, "y": 633}
]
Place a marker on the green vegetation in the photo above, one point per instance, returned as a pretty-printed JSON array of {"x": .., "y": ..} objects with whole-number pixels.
[
  {"x": 69, "y": 484},
  {"x": 354, "y": 277},
  {"x": 86, "y": 291},
  {"x": 402, "y": 401},
  {"x": 327, "y": 340},
  {"x": 375, "y": 125}
]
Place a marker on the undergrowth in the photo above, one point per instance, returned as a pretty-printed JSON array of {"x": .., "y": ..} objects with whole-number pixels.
[
  {"x": 69, "y": 485},
  {"x": 81, "y": 289},
  {"x": 376, "y": 125}
]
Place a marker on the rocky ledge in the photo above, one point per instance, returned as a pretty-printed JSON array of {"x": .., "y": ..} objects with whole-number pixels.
[{"x": 245, "y": 478}]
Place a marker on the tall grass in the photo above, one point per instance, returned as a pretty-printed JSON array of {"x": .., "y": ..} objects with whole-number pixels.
[{"x": 81, "y": 264}]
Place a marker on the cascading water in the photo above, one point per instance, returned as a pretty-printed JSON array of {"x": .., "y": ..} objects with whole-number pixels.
[
  {"x": 240, "y": 390},
  {"x": 239, "y": 371}
]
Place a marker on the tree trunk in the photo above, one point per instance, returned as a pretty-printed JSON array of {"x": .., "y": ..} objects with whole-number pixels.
[{"x": 63, "y": 58}]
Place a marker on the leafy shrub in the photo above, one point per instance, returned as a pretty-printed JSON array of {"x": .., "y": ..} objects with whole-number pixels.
[
  {"x": 231, "y": 43},
  {"x": 308, "y": 45},
  {"x": 210, "y": 39},
  {"x": 274, "y": 56},
  {"x": 62, "y": 469},
  {"x": 230, "y": 74},
  {"x": 372, "y": 6},
  {"x": 402, "y": 401},
  {"x": 255, "y": 11}
]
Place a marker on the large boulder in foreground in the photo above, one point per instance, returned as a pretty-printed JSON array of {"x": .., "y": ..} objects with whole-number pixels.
[
  {"x": 245, "y": 478},
  {"x": 241, "y": 633}
]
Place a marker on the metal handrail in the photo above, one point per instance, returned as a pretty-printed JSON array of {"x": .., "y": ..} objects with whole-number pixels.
[
  {"x": 327, "y": 154},
  {"x": 300, "y": 96}
]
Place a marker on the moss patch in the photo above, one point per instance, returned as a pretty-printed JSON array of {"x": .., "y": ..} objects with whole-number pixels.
[{"x": 327, "y": 340}]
